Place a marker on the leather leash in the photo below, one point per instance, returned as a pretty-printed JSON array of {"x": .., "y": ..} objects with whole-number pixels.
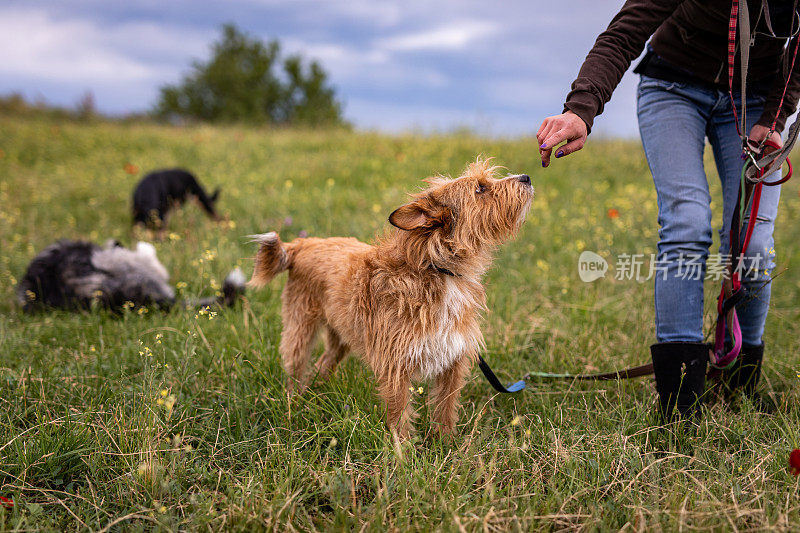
[{"x": 616, "y": 375}]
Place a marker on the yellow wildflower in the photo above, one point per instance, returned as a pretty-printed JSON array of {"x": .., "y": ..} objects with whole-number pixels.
[{"x": 169, "y": 403}]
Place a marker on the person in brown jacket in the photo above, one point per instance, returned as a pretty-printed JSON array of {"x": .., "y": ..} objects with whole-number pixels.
[{"x": 682, "y": 100}]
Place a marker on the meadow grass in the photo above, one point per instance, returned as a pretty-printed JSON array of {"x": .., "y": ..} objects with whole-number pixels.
[{"x": 180, "y": 421}]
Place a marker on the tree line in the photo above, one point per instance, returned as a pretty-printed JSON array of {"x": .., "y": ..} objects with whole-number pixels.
[{"x": 244, "y": 80}]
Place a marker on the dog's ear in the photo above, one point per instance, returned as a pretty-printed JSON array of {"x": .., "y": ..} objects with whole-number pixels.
[
  {"x": 421, "y": 213},
  {"x": 215, "y": 196}
]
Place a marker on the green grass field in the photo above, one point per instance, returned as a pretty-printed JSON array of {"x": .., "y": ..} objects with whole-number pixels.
[{"x": 178, "y": 421}]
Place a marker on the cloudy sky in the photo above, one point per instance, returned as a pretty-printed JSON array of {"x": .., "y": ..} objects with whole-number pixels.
[{"x": 499, "y": 67}]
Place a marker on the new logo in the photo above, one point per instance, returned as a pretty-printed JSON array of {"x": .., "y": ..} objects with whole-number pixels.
[{"x": 591, "y": 266}]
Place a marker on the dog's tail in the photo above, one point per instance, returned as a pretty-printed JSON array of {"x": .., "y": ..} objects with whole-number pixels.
[{"x": 272, "y": 259}]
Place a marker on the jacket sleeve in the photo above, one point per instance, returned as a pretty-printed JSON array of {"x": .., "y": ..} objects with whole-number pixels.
[
  {"x": 789, "y": 101},
  {"x": 612, "y": 54}
]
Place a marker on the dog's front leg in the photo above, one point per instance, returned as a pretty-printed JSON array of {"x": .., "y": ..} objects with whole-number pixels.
[
  {"x": 395, "y": 389},
  {"x": 444, "y": 396}
]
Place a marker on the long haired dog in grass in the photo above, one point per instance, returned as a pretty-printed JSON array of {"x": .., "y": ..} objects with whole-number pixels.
[
  {"x": 409, "y": 306},
  {"x": 77, "y": 274}
]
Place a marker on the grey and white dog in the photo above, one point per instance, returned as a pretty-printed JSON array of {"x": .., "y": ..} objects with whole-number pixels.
[{"x": 74, "y": 274}]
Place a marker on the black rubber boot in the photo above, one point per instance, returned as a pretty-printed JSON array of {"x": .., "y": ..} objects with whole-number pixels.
[
  {"x": 746, "y": 372},
  {"x": 680, "y": 371},
  {"x": 744, "y": 376}
]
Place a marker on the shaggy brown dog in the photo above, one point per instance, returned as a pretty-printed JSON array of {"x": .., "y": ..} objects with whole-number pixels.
[{"x": 408, "y": 306}]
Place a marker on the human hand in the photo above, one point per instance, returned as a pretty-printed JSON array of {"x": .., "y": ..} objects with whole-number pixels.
[
  {"x": 557, "y": 129},
  {"x": 758, "y": 134}
]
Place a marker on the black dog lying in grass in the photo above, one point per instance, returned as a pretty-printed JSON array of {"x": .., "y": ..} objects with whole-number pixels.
[
  {"x": 160, "y": 191},
  {"x": 74, "y": 274}
]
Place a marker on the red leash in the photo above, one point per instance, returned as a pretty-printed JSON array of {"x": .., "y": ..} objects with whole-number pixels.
[
  {"x": 733, "y": 293},
  {"x": 731, "y": 58}
]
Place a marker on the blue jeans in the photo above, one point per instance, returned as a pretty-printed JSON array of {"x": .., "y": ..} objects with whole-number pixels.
[{"x": 674, "y": 121}]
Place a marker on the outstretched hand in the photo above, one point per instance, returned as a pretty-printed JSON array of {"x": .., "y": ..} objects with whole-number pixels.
[{"x": 554, "y": 130}]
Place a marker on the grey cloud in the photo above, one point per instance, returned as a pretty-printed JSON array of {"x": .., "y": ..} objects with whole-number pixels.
[{"x": 499, "y": 66}]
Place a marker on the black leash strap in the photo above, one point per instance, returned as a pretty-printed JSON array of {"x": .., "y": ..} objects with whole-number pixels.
[{"x": 494, "y": 382}]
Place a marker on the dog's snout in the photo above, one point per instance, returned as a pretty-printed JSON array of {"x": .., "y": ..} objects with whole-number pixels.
[{"x": 524, "y": 178}]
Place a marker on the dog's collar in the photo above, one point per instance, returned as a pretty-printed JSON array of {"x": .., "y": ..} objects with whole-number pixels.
[{"x": 443, "y": 271}]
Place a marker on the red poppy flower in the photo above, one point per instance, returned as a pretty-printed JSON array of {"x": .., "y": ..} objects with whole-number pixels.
[
  {"x": 131, "y": 169},
  {"x": 794, "y": 462},
  {"x": 613, "y": 213},
  {"x": 8, "y": 503}
]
